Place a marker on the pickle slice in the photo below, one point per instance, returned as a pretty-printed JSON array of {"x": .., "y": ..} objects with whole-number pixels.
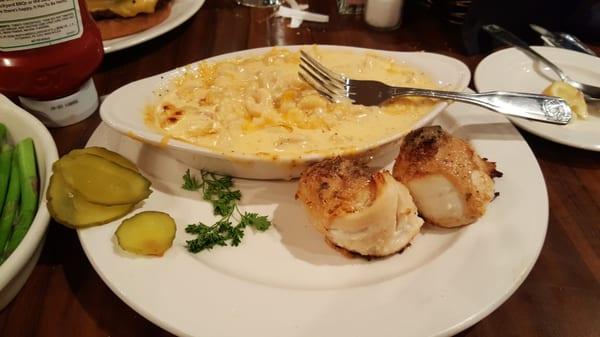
[
  {"x": 108, "y": 155},
  {"x": 147, "y": 233},
  {"x": 68, "y": 208},
  {"x": 101, "y": 181}
]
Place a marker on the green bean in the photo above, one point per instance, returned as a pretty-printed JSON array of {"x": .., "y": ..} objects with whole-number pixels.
[
  {"x": 3, "y": 134},
  {"x": 29, "y": 193},
  {"x": 6, "y": 152},
  {"x": 5, "y": 159},
  {"x": 11, "y": 205}
]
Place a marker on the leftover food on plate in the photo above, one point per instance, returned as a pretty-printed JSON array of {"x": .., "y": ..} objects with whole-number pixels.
[
  {"x": 357, "y": 208},
  {"x": 371, "y": 213},
  {"x": 449, "y": 182},
  {"x": 147, "y": 233},
  {"x": 94, "y": 186},
  {"x": 116, "y": 18},
  {"x": 574, "y": 97},
  {"x": 258, "y": 105},
  {"x": 19, "y": 184}
]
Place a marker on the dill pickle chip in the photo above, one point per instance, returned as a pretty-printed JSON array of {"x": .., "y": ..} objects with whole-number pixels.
[
  {"x": 107, "y": 154},
  {"x": 147, "y": 233},
  {"x": 68, "y": 208},
  {"x": 101, "y": 181}
]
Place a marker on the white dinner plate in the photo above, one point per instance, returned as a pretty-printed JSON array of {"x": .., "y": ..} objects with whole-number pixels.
[
  {"x": 511, "y": 69},
  {"x": 181, "y": 10},
  {"x": 288, "y": 282}
]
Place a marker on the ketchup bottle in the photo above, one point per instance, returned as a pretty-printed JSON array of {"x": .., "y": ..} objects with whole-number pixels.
[{"x": 48, "y": 52}]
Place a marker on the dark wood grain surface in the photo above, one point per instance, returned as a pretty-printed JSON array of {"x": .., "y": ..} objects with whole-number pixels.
[{"x": 561, "y": 297}]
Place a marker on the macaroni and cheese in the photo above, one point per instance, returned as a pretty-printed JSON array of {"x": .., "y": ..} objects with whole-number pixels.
[{"x": 258, "y": 105}]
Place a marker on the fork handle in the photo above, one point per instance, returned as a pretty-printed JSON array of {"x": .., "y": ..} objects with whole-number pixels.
[{"x": 531, "y": 106}]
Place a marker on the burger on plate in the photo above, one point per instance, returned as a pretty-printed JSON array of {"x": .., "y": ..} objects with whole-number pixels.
[{"x": 116, "y": 18}]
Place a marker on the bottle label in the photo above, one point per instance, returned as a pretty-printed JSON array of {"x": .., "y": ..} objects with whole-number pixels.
[{"x": 28, "y": 24}]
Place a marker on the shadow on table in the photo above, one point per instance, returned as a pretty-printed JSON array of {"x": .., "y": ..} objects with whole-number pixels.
[{"x": 561, "y": 155}]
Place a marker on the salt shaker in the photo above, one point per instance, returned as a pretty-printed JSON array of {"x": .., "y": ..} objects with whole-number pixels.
[{"x": 383, "y": 14}]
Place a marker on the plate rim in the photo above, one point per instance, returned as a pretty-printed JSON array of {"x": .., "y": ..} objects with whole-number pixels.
[{"x": 113, "y": 45}]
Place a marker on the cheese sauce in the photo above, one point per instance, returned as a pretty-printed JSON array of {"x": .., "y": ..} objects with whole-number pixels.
[{"x": 259, "y": 105}]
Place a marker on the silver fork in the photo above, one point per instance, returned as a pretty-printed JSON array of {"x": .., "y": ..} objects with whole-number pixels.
[{"x": 337, "y": 87}]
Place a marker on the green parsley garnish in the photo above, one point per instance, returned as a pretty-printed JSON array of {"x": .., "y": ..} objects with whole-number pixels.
[
  {"x": 218, "y": 190},
  {"x": 190, "y": 182}
]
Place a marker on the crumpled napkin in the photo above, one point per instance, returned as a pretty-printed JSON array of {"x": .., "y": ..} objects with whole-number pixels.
[{"x": 297, "y": 13}]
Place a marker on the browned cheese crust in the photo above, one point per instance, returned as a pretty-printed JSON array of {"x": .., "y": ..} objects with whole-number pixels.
[
  {"x": 335, "y": 187},
  {"x": 430, "y": 150}
]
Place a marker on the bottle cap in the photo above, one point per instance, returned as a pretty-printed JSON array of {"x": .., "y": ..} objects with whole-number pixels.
[{"x": 66, "y": 110}]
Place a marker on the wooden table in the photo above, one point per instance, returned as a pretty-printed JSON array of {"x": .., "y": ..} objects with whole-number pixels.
[{"x": 561, "y": 297}]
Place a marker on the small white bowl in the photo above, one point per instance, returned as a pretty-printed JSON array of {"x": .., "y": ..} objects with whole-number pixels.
[
  {"x": 17, "y": 268},
  {"x": 124, "y": 108}
]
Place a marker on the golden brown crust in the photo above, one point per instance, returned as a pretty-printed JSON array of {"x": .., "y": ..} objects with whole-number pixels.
[
  {"x": 431, "y": 151},
  {"x": 423, "y": 143},
  {"x": 118, "y": 27},
  {"x": 358, "y": 208},
  {"x": 335, "y": 187}
]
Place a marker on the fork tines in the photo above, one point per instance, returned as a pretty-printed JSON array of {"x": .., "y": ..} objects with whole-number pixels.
[{"x": 328, "y": 83}]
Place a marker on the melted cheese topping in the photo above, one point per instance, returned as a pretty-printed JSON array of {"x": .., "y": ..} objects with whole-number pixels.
[
  {"x": 124, "y": 8},
  {"x": 259, "y": 105}
]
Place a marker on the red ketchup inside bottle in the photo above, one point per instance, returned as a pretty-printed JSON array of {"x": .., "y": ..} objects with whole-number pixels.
[{"x": 48, "y": 52}]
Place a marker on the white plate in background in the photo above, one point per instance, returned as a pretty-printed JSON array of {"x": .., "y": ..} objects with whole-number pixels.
[
  {"x": 288, "y": 282},
  {"x": 511, "y": 69},
  {"x": 181, "y": 10}
]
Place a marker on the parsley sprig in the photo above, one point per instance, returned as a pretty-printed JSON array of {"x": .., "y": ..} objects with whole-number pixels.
[{"x": 218, "y": 190}]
